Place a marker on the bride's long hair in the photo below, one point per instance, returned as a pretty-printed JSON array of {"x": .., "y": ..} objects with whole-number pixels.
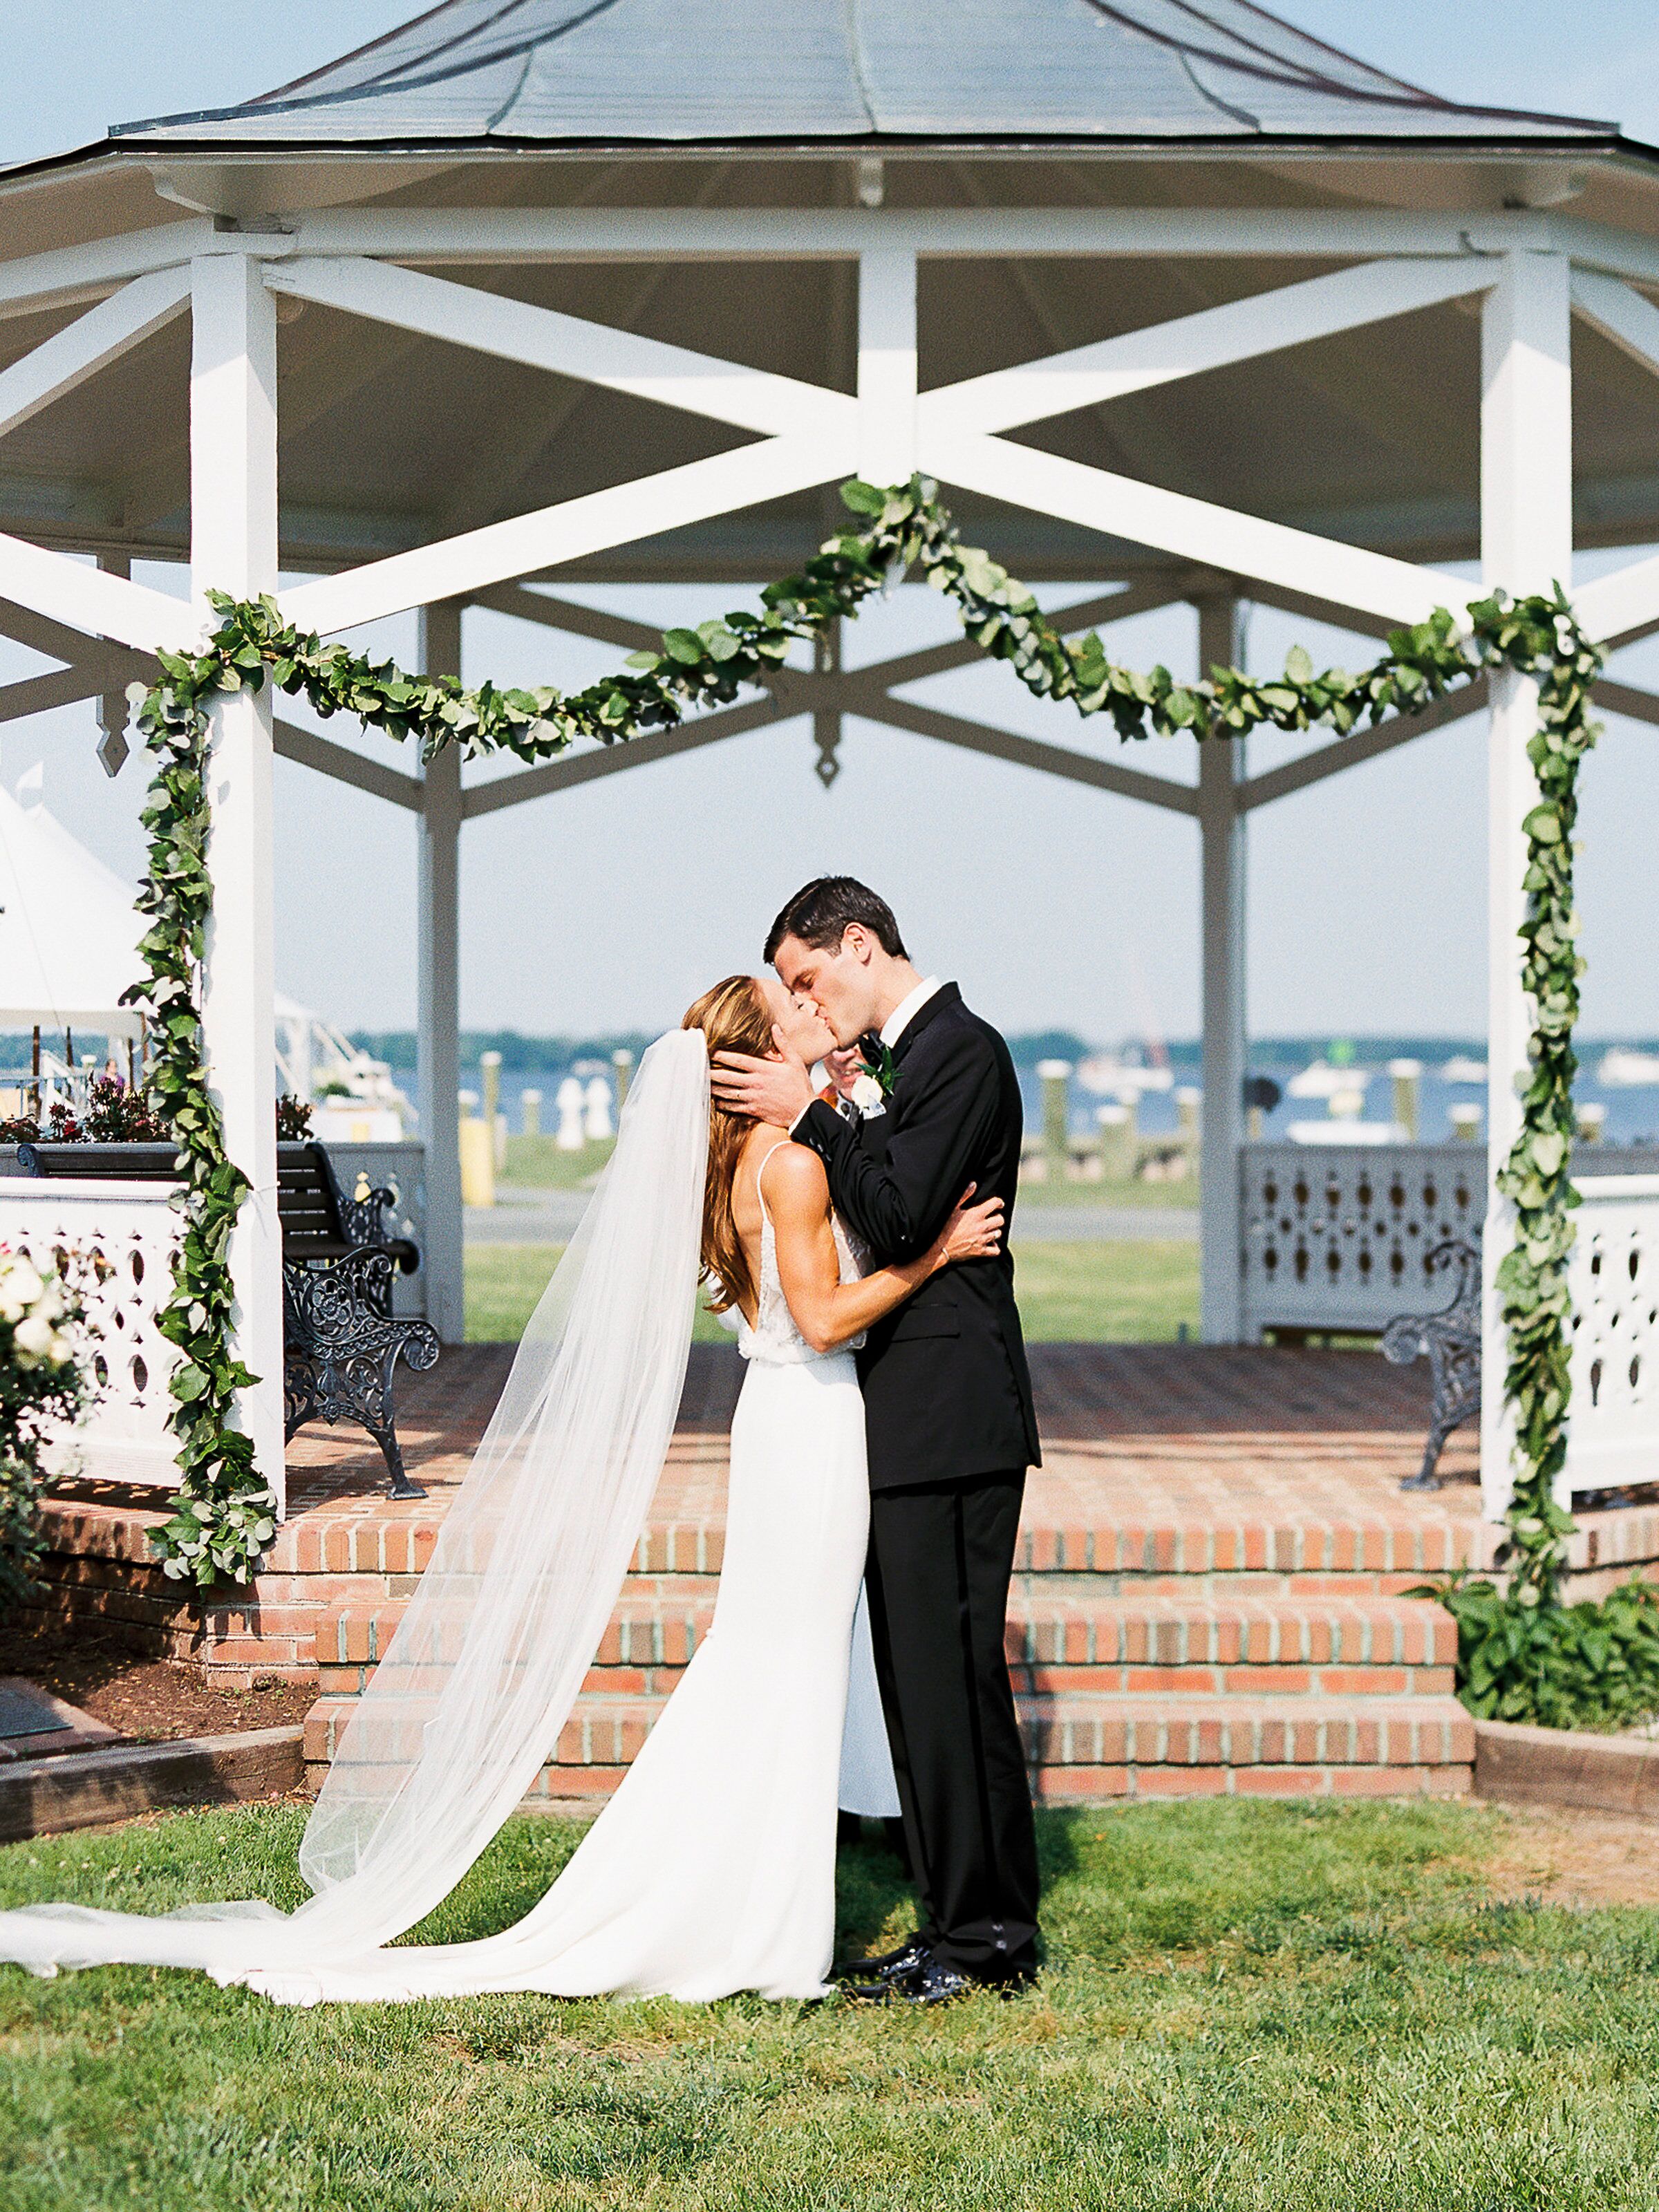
[{"x": 734, "y": 1017}]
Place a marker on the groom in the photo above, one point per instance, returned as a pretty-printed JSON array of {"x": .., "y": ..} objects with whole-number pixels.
[{"x": 948, "y": 1406}]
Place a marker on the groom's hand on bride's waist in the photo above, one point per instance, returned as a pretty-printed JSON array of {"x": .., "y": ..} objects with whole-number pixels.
[{"x": 776, "y": 1090}]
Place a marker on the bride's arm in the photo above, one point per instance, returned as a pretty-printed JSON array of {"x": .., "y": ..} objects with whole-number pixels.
[{"x": 826, "y": 1310}]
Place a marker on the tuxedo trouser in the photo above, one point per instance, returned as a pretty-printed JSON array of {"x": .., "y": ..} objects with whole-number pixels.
[{"x": 940, "y": 1558}]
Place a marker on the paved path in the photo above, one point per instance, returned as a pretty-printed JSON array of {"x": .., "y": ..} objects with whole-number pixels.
[{"x": 549, "y": 1216}]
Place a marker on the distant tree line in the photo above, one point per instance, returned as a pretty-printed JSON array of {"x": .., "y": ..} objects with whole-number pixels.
[{"x": 521, "y": 1052}]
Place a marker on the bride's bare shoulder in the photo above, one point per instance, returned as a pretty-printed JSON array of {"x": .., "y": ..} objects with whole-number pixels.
[{"x": 796, "y": 1181}]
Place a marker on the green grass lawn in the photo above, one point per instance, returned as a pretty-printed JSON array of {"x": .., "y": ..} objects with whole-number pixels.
[
  {"x": 536, "y": 1163},
  {"x": 1273, "y": 2008},
  {"x": 1069, "y": 1293}
]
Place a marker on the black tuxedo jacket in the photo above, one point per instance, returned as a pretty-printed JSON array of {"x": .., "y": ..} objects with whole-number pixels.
[{"x": 946, "y": 1390}]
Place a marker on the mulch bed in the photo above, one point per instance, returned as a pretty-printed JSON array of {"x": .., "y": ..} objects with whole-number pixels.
[{"x": 149, "y": 1700}]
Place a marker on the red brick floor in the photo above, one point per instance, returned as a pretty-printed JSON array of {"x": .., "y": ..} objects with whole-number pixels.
[{"x": 1147, "y": 1438}]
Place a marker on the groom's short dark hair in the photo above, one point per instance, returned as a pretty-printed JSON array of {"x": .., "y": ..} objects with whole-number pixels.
[{"x": 821, "y": 912}]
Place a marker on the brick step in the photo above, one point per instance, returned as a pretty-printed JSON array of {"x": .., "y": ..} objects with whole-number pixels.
[
  {"x": 1345, "y": 1646},
  {"x": 1076, "y": 1728},
  {"x": 1081, "y": 1729},
  {"x": 1165, "y": 1748},
  {"x": 1230, "y": 1645}
]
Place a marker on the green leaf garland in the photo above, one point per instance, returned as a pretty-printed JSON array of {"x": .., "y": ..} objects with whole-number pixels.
[{"x": 226, "y": 1514}]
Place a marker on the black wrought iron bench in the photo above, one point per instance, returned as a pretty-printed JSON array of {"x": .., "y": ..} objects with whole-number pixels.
[
  {"x": 1451, "y": 1339},
  {"x": 341, "y": 1341}
]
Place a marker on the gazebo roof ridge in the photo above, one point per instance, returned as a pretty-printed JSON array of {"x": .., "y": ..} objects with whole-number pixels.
[{"x": 566, "y": 73}]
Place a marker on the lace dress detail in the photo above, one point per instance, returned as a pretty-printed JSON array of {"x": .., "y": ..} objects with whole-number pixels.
[{"x": 774, "y": 1339}]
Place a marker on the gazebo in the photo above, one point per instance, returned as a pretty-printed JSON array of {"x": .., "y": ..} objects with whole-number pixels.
[{"x": 1179, "y": 298}]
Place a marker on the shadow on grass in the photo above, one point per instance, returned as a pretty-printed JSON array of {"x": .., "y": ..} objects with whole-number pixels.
[{"x": 875, "y": 1899}]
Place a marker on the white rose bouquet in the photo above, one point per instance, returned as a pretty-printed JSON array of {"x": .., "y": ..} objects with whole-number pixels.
[{"x": 41, "y": 1384}]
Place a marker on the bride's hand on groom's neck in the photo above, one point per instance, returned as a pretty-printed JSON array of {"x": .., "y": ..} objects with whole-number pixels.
[{"x": 778, "y": 1091}]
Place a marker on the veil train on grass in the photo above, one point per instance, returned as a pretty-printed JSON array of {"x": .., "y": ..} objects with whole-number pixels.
[{"x": 487, "y": 1662}]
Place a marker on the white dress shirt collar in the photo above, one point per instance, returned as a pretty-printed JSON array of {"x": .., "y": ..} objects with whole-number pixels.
[{"x": 905, "y": 1011}]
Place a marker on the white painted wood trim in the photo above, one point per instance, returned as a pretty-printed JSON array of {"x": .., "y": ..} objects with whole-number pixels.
[
  {"x": 506, "y": 235},
  {"x": 565, "y": 345},
  {"x": 1222, "y": 944},
  {"x": 568, "y": 615},
  {"x": 1242, "y": 545},
  {"x": 307, "y": 749},
  {"x": 1624, "y": 316},
  {"x": 84, "y": 599},
  {"x": 64, "y": 275},
  {"x": 1614, "y": 609},
  {"x": 232, "y": 474},
  {"x": 1358, "y": 746},
  {"x": 1617, "y": 699},
  {"x": 1097, "y": 613},
  {"x": 438, "y": 1055},
  {"x": 69, "y": 356},
  {"x": 1086, "y": 375},
  {"x": 1526, "y": 535},
  {"x": 887, "y": 366},
  {"x": 61, "y": 687},
  {"x": 457, "y": 567},
  {"x": 1027, "y": 752},
  {"x": 580, "y": 767}
]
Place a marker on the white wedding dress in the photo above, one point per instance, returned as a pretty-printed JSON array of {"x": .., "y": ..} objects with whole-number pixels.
[{"x": 712, "y": 1868}]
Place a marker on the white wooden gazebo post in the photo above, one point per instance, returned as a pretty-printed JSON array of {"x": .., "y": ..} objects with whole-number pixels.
[
  {"x": 438, "y": 1048},
  {"x": 1526, "y": 545},
  {"x": 1221, "y": 833},
  {"x": 887, "y": 364},
  {"x": 232, "y": 494}
]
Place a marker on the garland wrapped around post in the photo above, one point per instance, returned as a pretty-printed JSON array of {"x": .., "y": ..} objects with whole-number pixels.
[{"x": 225, "y": 1513}]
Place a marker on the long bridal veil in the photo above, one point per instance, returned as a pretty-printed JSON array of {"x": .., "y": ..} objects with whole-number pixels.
[{"x": 487, "y": 1659}]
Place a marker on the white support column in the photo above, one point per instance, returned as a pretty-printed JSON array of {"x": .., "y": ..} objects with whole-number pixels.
[
  {"x": 232, "y": 476},
  {"x": 887, "y": 365},
  {"x": 438, "y": 1051},
  {"x": 1525, "y": 543},
  {"x": 1221, "y": 831}
]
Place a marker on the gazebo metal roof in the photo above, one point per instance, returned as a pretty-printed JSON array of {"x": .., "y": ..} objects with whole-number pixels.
[
  {"x": 982, "y": 110},
  {"x": 517, "y": 72}
]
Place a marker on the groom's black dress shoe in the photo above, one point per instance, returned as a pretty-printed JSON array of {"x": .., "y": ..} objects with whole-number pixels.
[
  {"x": 929, "y": 1981},
  {"x": 932, "y": 1981},
  {"x": 890, "y": 1967}
]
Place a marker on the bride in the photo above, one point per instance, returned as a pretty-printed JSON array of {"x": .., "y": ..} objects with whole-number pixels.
[{"x": 711, "y": 1868}]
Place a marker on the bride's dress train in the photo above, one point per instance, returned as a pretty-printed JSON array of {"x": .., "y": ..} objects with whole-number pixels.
[{"x": 712, "y": 1869}]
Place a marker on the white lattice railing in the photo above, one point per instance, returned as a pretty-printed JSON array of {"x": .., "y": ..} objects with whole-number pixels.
[
  {"x": 1336, "y": 1237},
  {"x": 133, "y": 1233},
  {"x": 1613, "y": 1437}
]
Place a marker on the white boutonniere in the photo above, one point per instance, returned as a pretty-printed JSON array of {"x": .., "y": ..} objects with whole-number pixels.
[
  {"x": 873, "y": 1084},
  {"x": 867, "y": 1095}
]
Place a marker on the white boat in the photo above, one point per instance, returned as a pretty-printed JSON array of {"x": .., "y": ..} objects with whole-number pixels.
[
  {"x": 1320, "y": 1079},
  {"x": 1108, "y": 1077},
  {"x": 1459, "y": 1068},
  {"x": 1345, "y": 1132},
  {"x": 1624, "y": 1069}
]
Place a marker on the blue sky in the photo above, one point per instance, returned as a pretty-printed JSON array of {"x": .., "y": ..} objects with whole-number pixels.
[{"x": 613, "y": 905}]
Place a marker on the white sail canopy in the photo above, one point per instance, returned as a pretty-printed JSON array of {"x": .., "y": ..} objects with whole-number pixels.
[{"x": 69, "y": 930}]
